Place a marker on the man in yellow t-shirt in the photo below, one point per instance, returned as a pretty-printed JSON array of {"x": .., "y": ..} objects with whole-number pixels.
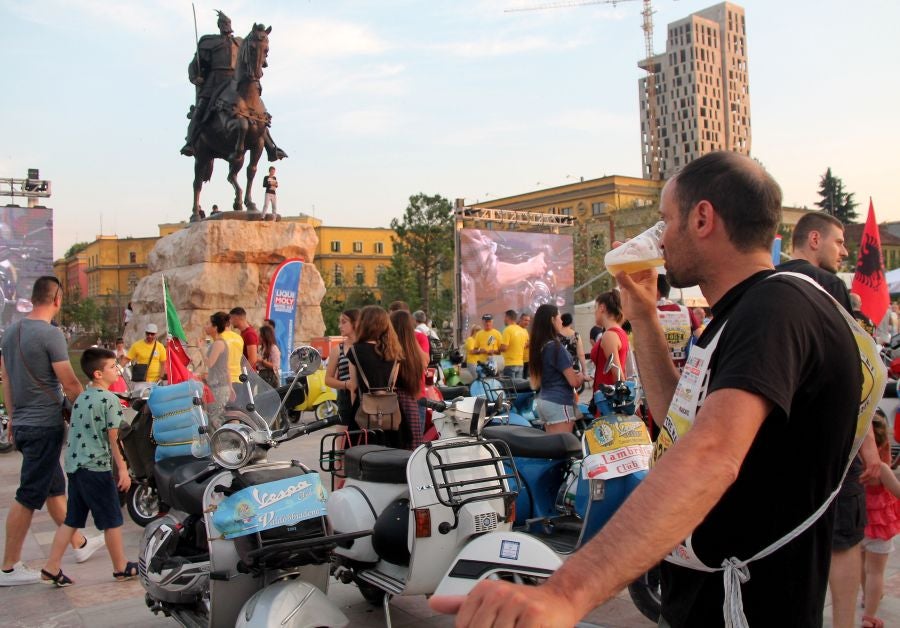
[
  {"x": 148, "y": 351},
  {"x": 487, "y": 341},
  {"x": 235, "y": 353},
  {"x": 513, "y": 344}
]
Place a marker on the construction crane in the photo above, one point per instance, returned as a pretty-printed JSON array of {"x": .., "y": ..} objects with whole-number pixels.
[{"x": 648, "y": 65}]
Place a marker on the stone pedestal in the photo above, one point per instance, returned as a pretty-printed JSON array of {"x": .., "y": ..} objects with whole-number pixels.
[{"x": 216, "y": 265}]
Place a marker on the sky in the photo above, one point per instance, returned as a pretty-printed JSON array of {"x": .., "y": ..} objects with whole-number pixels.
[{"x": 377, "y": 100}]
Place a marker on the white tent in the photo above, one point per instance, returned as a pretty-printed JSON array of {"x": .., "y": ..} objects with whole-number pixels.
[{"x": 893, "y": 280}]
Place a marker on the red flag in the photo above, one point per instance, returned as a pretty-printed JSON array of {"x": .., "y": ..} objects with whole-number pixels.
[
  {"x": 176, "y": 365},
  {"x": 869, "y": 282}
]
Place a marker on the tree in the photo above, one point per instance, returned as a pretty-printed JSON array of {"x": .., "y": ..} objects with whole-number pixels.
[
  {"x": 78, "y": 247},
  {"x": 423, "y": 251},
  {"x": 835, "y": 201}
]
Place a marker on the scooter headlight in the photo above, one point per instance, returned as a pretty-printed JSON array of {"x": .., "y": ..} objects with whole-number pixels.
[{"x": 232, "y": 445}]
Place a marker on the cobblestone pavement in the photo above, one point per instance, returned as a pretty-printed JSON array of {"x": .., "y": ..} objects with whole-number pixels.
[{"x": 97, "y": 601}]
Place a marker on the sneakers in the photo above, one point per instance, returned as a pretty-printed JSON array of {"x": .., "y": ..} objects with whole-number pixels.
[
  {"x": 91, "y": 546},
  {"x": 20, "y": 574}
]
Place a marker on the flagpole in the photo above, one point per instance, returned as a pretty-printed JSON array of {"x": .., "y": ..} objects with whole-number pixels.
[{"x": 166, "y": 316}]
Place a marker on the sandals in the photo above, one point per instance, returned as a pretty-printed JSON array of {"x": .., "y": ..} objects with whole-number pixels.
[
  {"x": 872, "y": 622},
  {"x": 129, "y": 573},
  {"x": 60, "y": 579}
]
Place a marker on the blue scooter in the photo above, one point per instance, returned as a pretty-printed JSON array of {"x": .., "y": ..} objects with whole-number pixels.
[{"x": 569, "y": 488}]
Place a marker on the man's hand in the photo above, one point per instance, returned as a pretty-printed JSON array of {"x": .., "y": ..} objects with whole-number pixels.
[
  {"x": 868, "y": 451},
  {"x": 537, "y": 265},
  {"x": 124, "y": 482},
  {"x": 501, "y": 604},
  {"x": 638, "y": 291}
]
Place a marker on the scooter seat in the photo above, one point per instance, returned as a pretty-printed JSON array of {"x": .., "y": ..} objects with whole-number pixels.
[
  {"x": 375, "y": 463},
  {"x": 522, "y": 385},
  {"x": 528, "y": 442},
  {"x": 177, "y": 469},
  {"x": 452, "y": 392}
]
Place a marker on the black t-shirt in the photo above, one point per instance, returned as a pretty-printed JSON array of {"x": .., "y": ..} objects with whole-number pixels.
[
  {"x": 834, "y": 286},
  {"x": 270, "y": 183},
  {"x": 785, "y": 341},
  {"x": 376, "y": 368}
]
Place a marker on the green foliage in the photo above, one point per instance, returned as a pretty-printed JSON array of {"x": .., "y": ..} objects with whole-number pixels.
[
  {"x": 835, "y": 201},
  {"x": 423, "y": 252},
  {"x": 78, "y": 247},
  {"x": 338, "y": 299}
]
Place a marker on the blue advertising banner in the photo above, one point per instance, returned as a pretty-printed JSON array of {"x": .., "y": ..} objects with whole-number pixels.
[
  {"x": 281, "y": 306},
  {"x": 271, "y": 505}
]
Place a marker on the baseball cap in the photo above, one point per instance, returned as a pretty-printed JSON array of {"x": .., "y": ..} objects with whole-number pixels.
[
  {"x": 151, "y": 328},
  {"x": 487, "y": 317}
]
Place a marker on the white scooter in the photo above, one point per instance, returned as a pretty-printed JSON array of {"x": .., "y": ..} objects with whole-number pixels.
[
  {"x": 423, "y": 506},
  {"x": 245, "y": 542}
]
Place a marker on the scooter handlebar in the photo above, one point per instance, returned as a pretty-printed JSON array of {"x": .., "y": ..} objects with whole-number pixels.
[
  {"x": 438, "y": 406},
  {"x": 315, "y": 426}
]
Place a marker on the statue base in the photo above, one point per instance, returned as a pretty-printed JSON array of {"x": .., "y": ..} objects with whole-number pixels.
[{"x": 223, "y": 262}]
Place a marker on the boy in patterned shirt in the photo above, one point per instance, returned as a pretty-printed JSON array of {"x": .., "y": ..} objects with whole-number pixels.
[{"x": 91, "y": 447}]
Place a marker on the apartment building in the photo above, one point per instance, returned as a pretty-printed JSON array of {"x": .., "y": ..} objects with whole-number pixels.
[{"x": 702, "y": 94}]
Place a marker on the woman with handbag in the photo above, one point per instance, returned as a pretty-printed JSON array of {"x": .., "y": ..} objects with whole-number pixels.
[
  {"x": 374, "y": 362},
  {"x": 267, "y": 366},
  {"x": 411, "y": 378},
  {"x": 337, "y": 375}
]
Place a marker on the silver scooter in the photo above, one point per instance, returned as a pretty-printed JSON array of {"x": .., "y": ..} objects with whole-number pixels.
[{"x": 245, "y": 542}]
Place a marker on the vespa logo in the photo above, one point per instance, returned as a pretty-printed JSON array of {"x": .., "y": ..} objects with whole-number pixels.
[{"x": 267, "y": 499}]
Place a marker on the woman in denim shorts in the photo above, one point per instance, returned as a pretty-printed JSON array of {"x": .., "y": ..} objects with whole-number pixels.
[{"x": 551, "y": 371}]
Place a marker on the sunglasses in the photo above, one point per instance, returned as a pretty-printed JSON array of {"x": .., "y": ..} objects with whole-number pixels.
[{"x": 149, "y": 333}]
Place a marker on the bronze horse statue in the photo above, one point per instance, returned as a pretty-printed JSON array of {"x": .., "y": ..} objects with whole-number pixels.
[{"x": 237, "y": 122}]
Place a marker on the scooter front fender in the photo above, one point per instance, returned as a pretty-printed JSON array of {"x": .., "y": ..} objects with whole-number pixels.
[
  {"x": 290, "y": 603},
  {"x": 498, "y": 553}
]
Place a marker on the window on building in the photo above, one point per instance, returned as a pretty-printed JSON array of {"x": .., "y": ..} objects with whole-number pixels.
[
  {"x": 132, "y": 257},
  {"x": 335, "y": 246},
  {"x": 338, "y": 274},
  {"x": 379, "y": 248},
  {"x": 132, "y": 280},
  {"x": 598, "y": 209},
  {"x": 379, "y": 274},
  {"x": 566, "y": 211},
  {"x": 360, "y": 275},
  {"x": 357, "y": 247}
]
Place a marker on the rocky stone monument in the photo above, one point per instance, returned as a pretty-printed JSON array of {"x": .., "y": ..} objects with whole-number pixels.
[{"x": 215, "y": 265}]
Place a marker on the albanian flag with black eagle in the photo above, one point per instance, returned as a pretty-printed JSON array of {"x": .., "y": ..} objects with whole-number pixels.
[{"x": 869, "y": 281}]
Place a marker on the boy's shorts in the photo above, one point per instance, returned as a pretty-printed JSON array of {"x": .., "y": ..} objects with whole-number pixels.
[
  {"x": 94, "y": 492},
  {"x": 42, "y": 475}
]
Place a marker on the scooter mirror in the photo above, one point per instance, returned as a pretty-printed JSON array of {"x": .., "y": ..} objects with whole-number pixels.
[
  {"x": 305, "y": 361},
  {"x": 24, "y": 306},
  {"x": 610, "y": 364}
]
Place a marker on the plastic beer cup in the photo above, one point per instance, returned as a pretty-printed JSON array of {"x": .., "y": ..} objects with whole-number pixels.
[{"x": 641, "y": 252}]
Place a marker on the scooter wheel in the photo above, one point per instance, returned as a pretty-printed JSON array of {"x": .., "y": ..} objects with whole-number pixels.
[
  {"x": 646, "y": 595},
  {"x": 326, "y": 409},
  {"x": 142, "y": 503}
]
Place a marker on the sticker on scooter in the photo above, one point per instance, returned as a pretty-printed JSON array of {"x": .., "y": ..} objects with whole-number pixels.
[
  {"x": 617, "y": 445},
  {"x": 509, "y": 550},
  {"x": 271, "y": 505}
]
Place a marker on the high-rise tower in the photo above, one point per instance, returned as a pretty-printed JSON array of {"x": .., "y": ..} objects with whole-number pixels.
[{"x": 702, "y": 90}]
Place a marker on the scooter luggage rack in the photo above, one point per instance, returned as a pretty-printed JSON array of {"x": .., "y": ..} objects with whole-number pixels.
[
  {"x": 332, "y": 448},
  {"x": 457, "y": 493},
  {"x": 507, "y": 386}
]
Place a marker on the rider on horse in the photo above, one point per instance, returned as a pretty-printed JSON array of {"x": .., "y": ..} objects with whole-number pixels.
[{"x": 212, "y": 71}]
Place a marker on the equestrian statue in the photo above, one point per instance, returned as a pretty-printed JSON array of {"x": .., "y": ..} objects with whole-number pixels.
[{"x": 229, "y": 117}]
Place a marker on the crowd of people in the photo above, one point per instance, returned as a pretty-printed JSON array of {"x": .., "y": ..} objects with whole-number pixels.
[{"x": 730, "y": 399}]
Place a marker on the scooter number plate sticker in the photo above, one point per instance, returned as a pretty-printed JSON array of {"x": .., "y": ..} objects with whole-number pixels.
[{"x": 509, "y": 550}]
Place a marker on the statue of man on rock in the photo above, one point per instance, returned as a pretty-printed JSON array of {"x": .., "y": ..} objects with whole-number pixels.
[{"x": 229, "y": 117}]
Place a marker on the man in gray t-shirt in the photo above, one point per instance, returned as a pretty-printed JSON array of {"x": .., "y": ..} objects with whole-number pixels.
[{"x": 36, "y": 374}]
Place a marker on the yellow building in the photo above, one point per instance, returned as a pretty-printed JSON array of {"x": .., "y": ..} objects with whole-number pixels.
[
  {"x": 594, "y": 199},
  {"x": 353, "y": 257},
  {"x": 109, "y": 268}
]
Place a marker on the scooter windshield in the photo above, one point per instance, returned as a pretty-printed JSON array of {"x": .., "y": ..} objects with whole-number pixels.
[{"x": 257, "y": 394}]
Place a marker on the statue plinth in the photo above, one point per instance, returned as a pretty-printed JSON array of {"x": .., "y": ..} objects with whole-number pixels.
[{"x": 215, "y": 265}]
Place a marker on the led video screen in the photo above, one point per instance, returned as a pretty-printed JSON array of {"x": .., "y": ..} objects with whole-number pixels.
[
  {"x": 26, "y": 253},
  {"x": 513, "y": 270}
]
